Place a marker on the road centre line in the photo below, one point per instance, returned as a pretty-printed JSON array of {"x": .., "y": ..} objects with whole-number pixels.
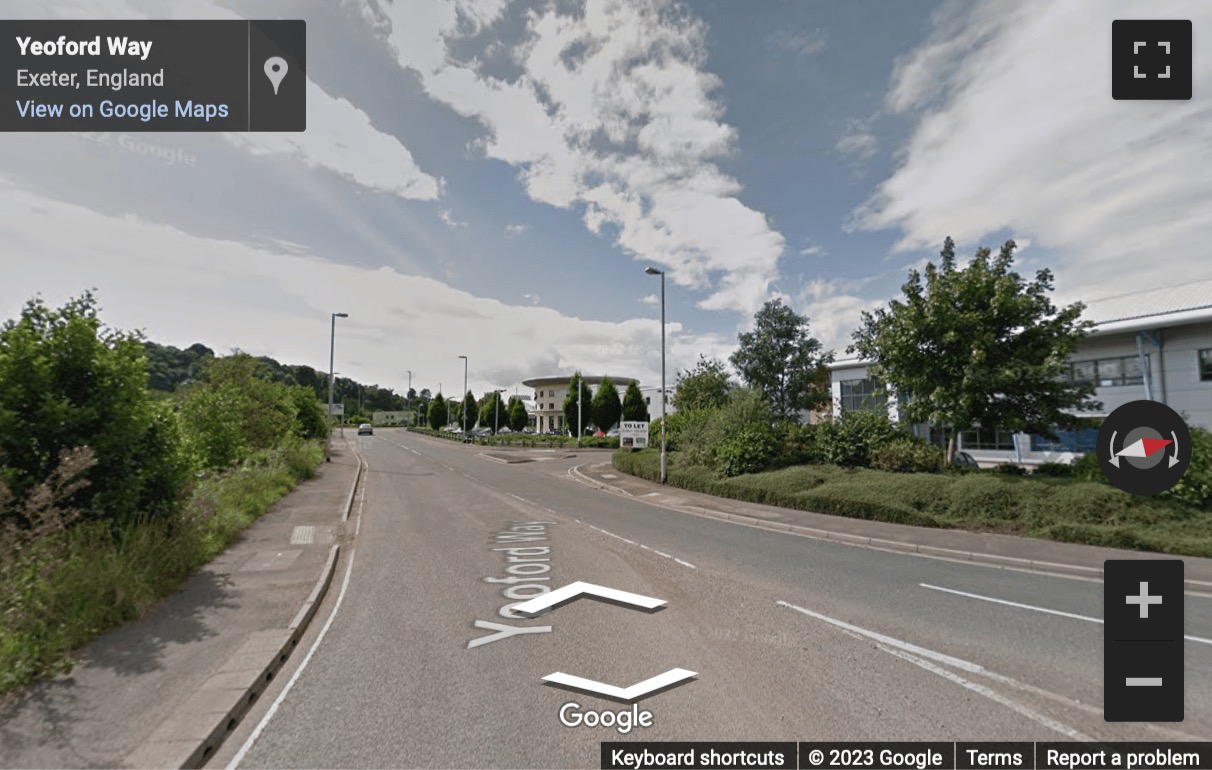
[
  {"x": 1037, "y": 609},
  {"x": 915, "y": 654},
  {"x": 641, "y": 545}
]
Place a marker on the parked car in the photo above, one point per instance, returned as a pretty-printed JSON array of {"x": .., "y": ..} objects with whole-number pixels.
[
  {"x": 366, "y": 429},
  {"x": 613, "y": 433},
  {"x": 503, "y": 431}
]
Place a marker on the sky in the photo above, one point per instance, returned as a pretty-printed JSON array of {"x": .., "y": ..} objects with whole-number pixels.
[{"x": 491, "y": 178}]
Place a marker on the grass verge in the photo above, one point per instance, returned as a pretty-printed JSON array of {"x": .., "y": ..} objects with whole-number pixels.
[
  {"x": 64, "y": 591},
  {"x": 1065, "y": 510}
]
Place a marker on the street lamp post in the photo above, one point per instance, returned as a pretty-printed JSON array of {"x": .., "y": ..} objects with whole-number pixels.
[
  {"x": 463, "y": 424},
  {"x": 580, "y": 425},
  {"x": 654, "y": 271},
  {"x": 407, "y": 398},
  {"x": 332, "y": 348}
]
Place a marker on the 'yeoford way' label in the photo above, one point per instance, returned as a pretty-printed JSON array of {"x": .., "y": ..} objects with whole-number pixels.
[{"x": 526, "y": 568}]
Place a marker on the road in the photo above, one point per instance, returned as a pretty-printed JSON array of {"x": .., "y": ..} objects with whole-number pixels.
[{"x": 791, "y": 638}]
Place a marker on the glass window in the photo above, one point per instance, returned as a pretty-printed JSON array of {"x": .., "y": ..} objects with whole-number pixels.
[
  {"x": 1108, "y": 372},
  {"x": 987, "y": 438},
  {"x": 939, "y": 436},
  {"x": 1083, "y": 440},
  {"x": 863, "y": 395},
  {"x": 1083, "y": 372},
  {"x": 1205, "y": 364}
]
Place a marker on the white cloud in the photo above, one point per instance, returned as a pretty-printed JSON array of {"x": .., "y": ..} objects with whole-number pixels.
[
  {"x": 834, "y": 310},
  {"x": 339, "y": 137},
  {"x": 448, "y": 218},
  {"x": 227, "y": 294},
  {"x": 613, "y": 114},
  {"x": 533, "y": 299},
  {"x": 1025, "y": 137},
  {"x": 858, "y": 142},
  {"x": 801, "y": 43},
  {"x": 516, "y": 229},
  {"x": 811, "y": 251},
  {"x": 651, "y": 299}
]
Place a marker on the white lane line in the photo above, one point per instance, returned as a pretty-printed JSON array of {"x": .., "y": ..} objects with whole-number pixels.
[
  {"x": 914, "y": 653},
  {"x": 515, "y": 497},
  {"x": 1087, "y": 618},
  {"x": 236, "y": 760},
  {"x": 1031, "y": 714},
  {"x": 641, "y": 545}
]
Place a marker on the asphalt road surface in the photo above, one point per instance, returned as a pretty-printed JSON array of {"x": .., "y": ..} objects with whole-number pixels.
[{"x": 791, "y": 639}]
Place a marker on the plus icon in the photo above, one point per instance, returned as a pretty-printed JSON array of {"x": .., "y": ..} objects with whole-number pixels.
[
  {"x": 1144, "y": 600},
  {"x": 1151, "y": 59}
]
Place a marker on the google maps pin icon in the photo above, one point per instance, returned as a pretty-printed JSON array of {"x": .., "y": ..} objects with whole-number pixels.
[{"x": 275, "y": 70}]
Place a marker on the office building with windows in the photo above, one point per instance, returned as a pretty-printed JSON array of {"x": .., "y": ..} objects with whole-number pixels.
[
  {"x": 1153, "y": 345},
  {"x": 549, "y": 394}
]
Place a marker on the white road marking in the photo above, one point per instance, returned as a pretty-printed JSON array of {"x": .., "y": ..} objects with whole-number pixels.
[
  {"x": 1035, "y": 716},
  {"x": 515, "y": 497},
  {"x": 609, "y": 476},
  {"x": 1087, "y": 618},
  {"x": 914, "y": 654},
  {"x": 303, "y": 535},
  {"x": 641, "y": 545},
  {"x": 236, "y": 760}
]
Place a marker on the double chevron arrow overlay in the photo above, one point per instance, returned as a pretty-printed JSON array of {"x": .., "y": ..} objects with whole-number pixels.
[{"x": 570, "y": 593}]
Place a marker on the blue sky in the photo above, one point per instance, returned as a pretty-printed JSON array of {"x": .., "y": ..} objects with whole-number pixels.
[{"x": 491, "y": 178}]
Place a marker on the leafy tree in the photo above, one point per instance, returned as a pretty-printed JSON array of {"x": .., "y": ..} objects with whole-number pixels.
[
  {"x": 781, "y": 360},
  {"x": 311, "y": 420},
  {"x": 67, "y": 381},
  {"x": 467, "y": 413},
  {"x": 634, "y": 408},
  {"x": 489, "y": 414},
  {"x": 606, "y": 406},
  {"x": 706, "y": 386},
  {"x": 978, "y": 344},
  {"x": 578, "y": 385},
  {"x": 435, "y": 415},
  {"x": 518, "y": 416}
]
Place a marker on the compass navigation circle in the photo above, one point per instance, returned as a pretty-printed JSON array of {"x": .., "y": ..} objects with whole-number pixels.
[{"x": 1144, "y": 447}]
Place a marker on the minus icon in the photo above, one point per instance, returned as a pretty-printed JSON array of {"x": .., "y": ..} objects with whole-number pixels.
[{"x": 1144, "y": 681}]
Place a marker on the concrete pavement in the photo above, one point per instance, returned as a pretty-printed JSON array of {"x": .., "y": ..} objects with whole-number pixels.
[
  {"x": 165, "y": 690},
  {"x": 988, "y": 548}
]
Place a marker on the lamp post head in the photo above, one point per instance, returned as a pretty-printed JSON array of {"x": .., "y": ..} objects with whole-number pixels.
[
  {"x": 653, "y": 271},
  {"x": 463, "y": 357},
  {"x": 340, "y": 315}
]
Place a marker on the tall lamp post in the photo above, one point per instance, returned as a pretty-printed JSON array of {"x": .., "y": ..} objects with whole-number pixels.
[
  {"x": 407, "y": 399},
  {"x": 332, "y": 347},
  {"x": 463, "y": 398},
  {"x": 654, "y": 271}
]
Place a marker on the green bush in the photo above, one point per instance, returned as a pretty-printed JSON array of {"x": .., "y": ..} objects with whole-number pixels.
[
  {"x": 1054, "y": 470},
  {"x": 850, "y": 440},
  {"x": 748, "y": 450},
  {"x": 907, "y": 455},
  {"x": 1009, "y": 469},
  {"x": 981, "y": 497},
  {"x": 799, "y": 445},
  {"x": 1086, "y": 468},
  {"x": 1194, "y": 489}
]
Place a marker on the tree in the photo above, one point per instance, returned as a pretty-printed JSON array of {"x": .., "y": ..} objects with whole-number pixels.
[
  {"x": 606, "y": 406},
  {"x": 436, "y": 413},
  {"x": 706, "y": 386},
  {"x": 67, "y": 381},
  {"x": 467, "y": 412},
  {"x": 978, "y": 345},
  {"x": 518, "y": 416},
  {"x": 577, "y": 425},
  {"x": 782, "y": 361},
  {"x": 492, "y": 411},
  {"x": 634, "y": 408}
]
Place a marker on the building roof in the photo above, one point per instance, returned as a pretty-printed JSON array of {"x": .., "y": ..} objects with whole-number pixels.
[
  {"x": 563, "y": 379},
  {"x": 1152, "y": 308}
]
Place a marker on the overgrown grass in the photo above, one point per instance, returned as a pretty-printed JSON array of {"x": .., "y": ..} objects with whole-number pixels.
[
  {"x": 63, "y": 590},
  {"x": 1061, "y": 509}
]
